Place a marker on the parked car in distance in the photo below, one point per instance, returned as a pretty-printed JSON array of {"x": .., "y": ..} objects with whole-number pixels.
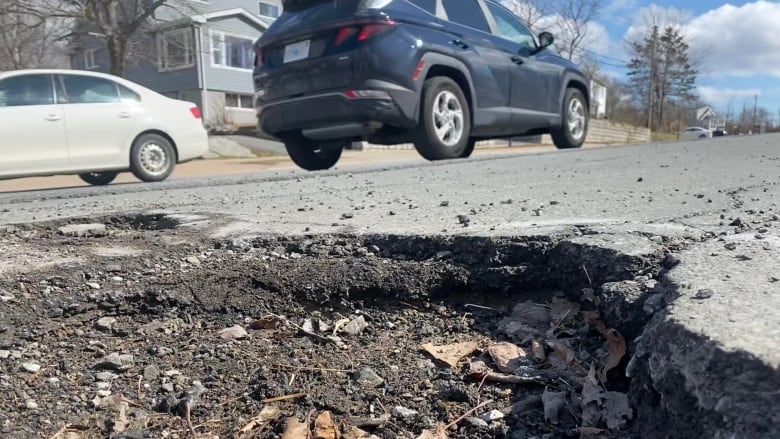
[
  {"x": 442, "y": 74},
  {"x": 720, "y": 132},
  {"x": 94, "y": 125},
  {"x": 693, "y": 133}
]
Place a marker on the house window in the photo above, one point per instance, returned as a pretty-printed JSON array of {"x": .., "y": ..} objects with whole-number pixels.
[
  {"x": 268, "y": 10},
  {"x": 232, "y": 51},
  {"x": 89, "y": 59},
  {"x": 175, "y": 49},
  {"x": 238, "y": 101}
]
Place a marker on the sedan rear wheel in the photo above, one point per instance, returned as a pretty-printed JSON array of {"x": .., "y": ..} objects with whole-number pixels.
[
  {"x": 152, "y": 158},
  {"x": 98, "y": 178}
]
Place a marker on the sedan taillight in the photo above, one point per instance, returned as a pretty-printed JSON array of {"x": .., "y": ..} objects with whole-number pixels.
[{"x": 195, "y": 112}]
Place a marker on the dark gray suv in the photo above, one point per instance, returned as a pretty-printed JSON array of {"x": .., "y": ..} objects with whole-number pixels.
[{"x": 441, "y": 74}]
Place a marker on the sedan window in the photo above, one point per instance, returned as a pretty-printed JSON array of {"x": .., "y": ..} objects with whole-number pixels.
[
  {"x": 90, "y": 90},
  {"x": 26, "y": 90}
]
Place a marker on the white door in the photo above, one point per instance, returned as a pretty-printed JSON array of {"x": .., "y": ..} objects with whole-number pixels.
[
  {"x": 99, "y": 120},
  {"x": 32, "y": 127}
]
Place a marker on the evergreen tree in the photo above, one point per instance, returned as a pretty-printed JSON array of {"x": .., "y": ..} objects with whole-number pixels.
[{"x": 661, "y": 73}]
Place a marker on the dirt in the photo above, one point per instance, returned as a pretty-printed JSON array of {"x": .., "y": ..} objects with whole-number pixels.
[{"x": 201, "y": 335}]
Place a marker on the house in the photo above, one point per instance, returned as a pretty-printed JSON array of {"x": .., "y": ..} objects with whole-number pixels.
[
  {"x": 197, "y": 50},
  {"x": 704, "y": 117},
  {"x": 598, "y": 99}
]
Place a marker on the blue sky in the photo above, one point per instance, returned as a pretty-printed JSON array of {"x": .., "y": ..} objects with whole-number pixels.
[{"x": 738, "y": 42}]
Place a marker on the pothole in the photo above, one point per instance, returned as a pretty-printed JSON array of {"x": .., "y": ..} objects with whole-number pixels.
[{"x": 489, "y": 337}]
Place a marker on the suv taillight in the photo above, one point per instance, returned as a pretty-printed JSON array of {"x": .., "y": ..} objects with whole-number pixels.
[{"x": 363, "y": 31}]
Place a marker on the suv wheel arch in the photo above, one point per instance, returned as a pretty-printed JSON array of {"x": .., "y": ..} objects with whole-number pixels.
[{"x": 441, "y": 65}]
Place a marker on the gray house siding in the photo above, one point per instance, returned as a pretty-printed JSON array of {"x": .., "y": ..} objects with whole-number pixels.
[
  {"x": 226, "y": 78},
  {"x": 178, "y": 8},
  {"x": 218, "y": 83},
  {"x": 146, "y": 71}
]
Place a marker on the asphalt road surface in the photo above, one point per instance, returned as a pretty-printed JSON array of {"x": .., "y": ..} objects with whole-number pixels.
[{"x": 718, "y": 198}]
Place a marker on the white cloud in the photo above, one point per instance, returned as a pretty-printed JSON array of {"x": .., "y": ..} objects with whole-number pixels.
[
  {"x": 738, "y": 41},
  {"x": 729, "y": 40},
  {"x": 618, "y": 8},
  {"x": 720, "y": 97}
]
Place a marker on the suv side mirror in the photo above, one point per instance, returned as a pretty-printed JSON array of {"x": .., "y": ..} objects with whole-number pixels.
[{"x": 546, "y": 39}]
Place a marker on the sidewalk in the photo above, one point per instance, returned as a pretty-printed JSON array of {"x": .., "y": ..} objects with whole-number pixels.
[{"x": 217, "y": 167}]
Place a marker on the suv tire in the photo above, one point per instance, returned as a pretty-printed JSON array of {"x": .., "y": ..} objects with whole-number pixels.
[
  {"x": 98, "y": 178},
  {"x": 152, "y": 158},
  {"x": 311, "y": 156},
  {"x": 574, "y": 121},
  {"x": 445, "y": 121}
]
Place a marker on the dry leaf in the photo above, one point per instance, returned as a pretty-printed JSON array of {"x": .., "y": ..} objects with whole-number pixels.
[
  {"x": 562, "y": 356},
  {"x": 450, "y": 354},
  {"x": 324, "y": 428},
  {"x": 267, "y": 414},
  {"x": 532, "y": 313},
  {"x": 617, "y": 350},
  {"x": 563, "y": 310},
  {"x": 538, "y": 350},
  {"x": 267, "y": 322},
  {"x": 553, "y": 402},
  {"x": 120, "y": 421},
  {"x": 617, "y": 411},
  {"x": 295, "y": 429},
  {"x": 440, "y": 432},
  {"x": 356, "y": 433},
  {"x": 588, "y": 432},
  {"x": 507, "y": 356}
]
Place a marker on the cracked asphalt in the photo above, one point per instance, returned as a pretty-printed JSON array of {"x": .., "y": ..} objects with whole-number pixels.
[{"x": 718, "y": 198}]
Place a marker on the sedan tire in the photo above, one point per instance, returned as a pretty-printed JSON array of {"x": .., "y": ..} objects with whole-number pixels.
[
  {"x": 152, "y": 158},
  {"x": 98, "y": 178}
]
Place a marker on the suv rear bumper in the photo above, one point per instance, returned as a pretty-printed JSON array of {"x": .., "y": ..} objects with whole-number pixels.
[{"x": 339, "y": 114}]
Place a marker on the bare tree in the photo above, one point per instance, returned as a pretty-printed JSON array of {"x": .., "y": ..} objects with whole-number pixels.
[
  {"x": 114, "y": 22},
  {"x": 572, "y": 20},
  {"x": 28, "y": 41},
  {"x": 531, "y": 12}
]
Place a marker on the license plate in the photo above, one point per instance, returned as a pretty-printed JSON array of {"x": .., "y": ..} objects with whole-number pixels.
[{"x": 296, "y": 51}]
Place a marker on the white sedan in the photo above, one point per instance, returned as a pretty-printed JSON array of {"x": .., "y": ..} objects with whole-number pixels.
[
  {"x": 94, "y": 125},
  {"x": 693, "y": 133}
]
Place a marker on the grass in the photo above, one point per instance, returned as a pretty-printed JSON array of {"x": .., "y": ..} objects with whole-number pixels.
[{"x": 663, "y": 137}]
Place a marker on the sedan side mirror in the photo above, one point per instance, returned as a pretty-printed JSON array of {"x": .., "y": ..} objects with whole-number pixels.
[{"x": 546, "y": 39}]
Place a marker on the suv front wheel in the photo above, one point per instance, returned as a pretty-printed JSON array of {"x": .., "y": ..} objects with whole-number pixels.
[
  {"x": 574, "y": 125},
  {"x": 445, "y": 121}
]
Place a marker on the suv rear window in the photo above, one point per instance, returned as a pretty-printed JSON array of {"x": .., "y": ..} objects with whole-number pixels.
[
  {"x": 428, "y": 5},
  {"x": 467, "y": 13}
]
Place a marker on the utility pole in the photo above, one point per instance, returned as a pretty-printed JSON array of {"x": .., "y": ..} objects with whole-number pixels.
[{"x": 755, "y": 109}]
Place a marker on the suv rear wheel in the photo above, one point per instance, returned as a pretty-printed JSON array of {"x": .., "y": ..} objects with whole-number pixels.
[
  {"x": 574, "y": 126},
  {"x": 312, "y": 156},
  {"x": 445, "y": 121}
]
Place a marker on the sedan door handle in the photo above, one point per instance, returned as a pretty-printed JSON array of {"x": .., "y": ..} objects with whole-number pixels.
[
  {"x": 460, "y": 44},
  {"x": 518, "y": 60},
  {"x": 125, "y": 115},
  {"x": 53, "y": 118}
]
